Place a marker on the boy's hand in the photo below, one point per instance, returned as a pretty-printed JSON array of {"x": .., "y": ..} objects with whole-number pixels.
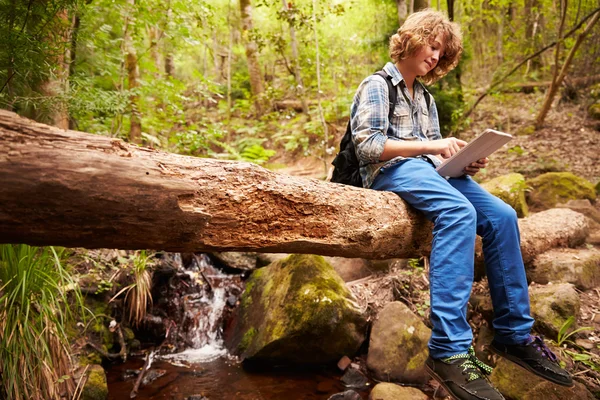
[
  {"x": 446, "y": 147},
  {"x": 474, "y": 168}
]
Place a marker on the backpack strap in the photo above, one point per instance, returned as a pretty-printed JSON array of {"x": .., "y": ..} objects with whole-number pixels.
[{"x": 393, "y": 92}]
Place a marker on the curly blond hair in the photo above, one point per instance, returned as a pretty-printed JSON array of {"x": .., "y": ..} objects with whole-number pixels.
[{"x": 422, "y": 28}]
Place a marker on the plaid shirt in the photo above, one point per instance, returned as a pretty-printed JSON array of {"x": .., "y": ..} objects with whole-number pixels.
[{"x": 412, "y": 120}]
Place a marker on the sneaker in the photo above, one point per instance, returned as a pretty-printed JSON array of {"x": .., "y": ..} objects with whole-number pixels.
[
  {"x": 463, "y": 376},
  {"x": 535, "y": 357}
]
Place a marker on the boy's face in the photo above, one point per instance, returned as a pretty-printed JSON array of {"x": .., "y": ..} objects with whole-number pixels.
[{"x": 426, "y": 58}]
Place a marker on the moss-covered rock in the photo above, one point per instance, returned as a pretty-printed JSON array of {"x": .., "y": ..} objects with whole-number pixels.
[
  {"x": 558, "y": 187},
  {"x": 95, "y": 387},
  {"x": 581, "y": 267},
  {"x": 511, "y": 189},
  {"x": 594, "y": 111},
  {"x": 552, "y": 305},
  {"x": 297, "y": 311},
  {"x": 390, "y": 391},
  {"x": 517, "y": 383},
  {"x": 398, "y": 346}
]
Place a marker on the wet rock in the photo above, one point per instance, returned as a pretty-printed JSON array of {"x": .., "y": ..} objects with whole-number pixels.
[
  {"x": 391, "y": 391},
  {"x": 398, "y": 347},
  {"x": 347, "y": 395},
  {"x": 353, "y": 378},
  {"x": 552, "y": 305},
  {"x": 152, "y": 375},
  {"x": 296, "y": 311},
  {"x": 558, "y": 187},
  {"x": 129, "y": 374},
  {"x": 95, "y": 387},
  {"x": 344, "y": 363},
  {"x": 196, "y": 397},
  {"x": 511, "y": 189},
  {"x": 580, "y": 267},
  {"x": 237, "y": 260}
]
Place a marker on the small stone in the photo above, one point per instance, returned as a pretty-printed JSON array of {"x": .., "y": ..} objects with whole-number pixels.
[
  {"x": 353, "y": 378},
  {"x": 586, "y": 344},
  {"x": 344, "y": 363},
  {"x": 196, "y": 397},
  {"x": 347, "y": 395}
]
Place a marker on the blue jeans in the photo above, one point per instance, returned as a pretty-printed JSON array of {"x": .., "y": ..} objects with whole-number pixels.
[{"x": 459, "y": 209}]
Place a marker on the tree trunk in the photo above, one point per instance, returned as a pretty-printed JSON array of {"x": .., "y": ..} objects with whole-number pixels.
[
  {"x": 256, "y": 80},
  {"x": 58, "y": 85},
  {"x": 296, "y": 62},
  {"x": 74, "y": 189},
  {"x": 557, "y": 80},
  {"x": 402, "y": 11},
  {"x": 131, "y": 65},
  {"x": 168, "y": 48}
]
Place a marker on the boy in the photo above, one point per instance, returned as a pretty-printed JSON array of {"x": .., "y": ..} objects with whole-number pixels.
[{"x": 400, "y": 155}]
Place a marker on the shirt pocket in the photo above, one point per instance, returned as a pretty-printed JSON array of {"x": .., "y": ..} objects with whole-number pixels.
[{"x": 402, "y": 122}]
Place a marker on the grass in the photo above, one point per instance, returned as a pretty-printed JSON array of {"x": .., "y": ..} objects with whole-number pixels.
[
  {"x": 34, "y": 309},
  {"x": 138, "y": 293}
]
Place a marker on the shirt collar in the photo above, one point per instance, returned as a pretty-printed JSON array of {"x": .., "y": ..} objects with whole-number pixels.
[{"x": 391, "y": 69}]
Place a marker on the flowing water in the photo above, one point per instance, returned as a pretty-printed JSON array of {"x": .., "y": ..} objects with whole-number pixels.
[{"x": 194, "y": 299}]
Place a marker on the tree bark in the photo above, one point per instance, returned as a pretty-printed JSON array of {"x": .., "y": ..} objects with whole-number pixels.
[
  {"x": 402, "y": 11},
  {"x": 74, "y": 189},
  {"x": 256, "y": 80},
  {"x": 131, "y": 65}
]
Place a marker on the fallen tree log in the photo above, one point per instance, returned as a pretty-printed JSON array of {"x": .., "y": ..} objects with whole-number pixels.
[{"x": 75, "y": 189}]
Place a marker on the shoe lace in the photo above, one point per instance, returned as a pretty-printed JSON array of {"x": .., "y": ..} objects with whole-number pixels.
[
  {"x": 472, "y": 365},
  {"x": 538, "y": 343}
]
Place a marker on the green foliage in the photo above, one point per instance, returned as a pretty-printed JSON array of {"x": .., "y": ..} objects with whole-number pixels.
[
  {"x": 564, "y": 334},
  {"x": 34, "y": 310}
]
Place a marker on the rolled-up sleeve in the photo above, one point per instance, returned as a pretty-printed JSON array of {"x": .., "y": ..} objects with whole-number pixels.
[{"x": 370, "y": 119}]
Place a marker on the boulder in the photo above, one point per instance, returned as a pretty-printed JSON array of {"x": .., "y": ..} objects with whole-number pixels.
[
  {"x": 581, "y": 267},
  {"x": 583, "y": 206},
  {"x": 95, "y": 387},
  {"x": 517, "y": 383},
  {"x": 243, "y": 261},
  {"x": 594, "y": 111},
  {"x": 398, "y": 346},
  {"x": 552, "y": 305},
  {"x": 296, "y": 311},
  {"x": 558, "y": 187},
  {"x": 350, "y": 269},
  {"x": 390, "y": 391},
  {"x": 550, "y": 391},
  {"x": 511, "y": 189}
]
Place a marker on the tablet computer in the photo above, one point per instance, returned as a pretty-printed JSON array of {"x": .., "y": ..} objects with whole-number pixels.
[{"x": 480, "y": 147}]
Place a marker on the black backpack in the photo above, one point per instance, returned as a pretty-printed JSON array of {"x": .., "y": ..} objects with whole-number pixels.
[{"x": 346, "y": 165}]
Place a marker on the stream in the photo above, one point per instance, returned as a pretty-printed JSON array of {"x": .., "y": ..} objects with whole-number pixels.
[{"x": 192, "y": 299}]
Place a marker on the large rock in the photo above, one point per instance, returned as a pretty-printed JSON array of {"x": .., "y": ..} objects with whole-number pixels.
[
  {"x": 398, "y": 347},
  {"x": 95, "y": 387},
  {"x": 517, "y": 383},
  {"x": 552, "y": 305},
  {"x": 581, "y": 267},
  {"x": 558, "y": 187},
  {"x": 243, "y": 261},
  {"x": 297, "y": 311},
  {"x": 390, "y": 391},
  {"x": 511, "y": 189}
]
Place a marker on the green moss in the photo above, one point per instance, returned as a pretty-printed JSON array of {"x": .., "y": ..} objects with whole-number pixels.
[
  {"x": 597, "y": 187},
  {"x": 247, "y": 339},
  {"x": 559, "y": 187},
  {"x": 594, "y": 111},
  {"x": 91, "y": 358},
  {"x": 95, "y": 387},
  {"x": 511, "y": 189}
]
